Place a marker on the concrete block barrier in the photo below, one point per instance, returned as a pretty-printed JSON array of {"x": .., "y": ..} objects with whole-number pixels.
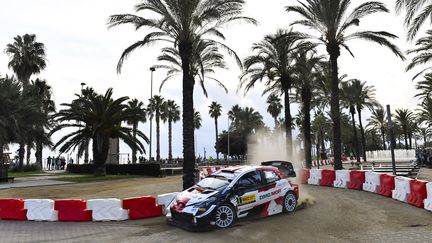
[
  {"x": 72, "y": 210},
  {"x": 315, "y": 177},
  {"x": 40, "y": 210},
  {"x": 107, "y": 209},
  {"x": 372, "y": 181},
  {"x": 12, "y": 209},
  {"x": 402, "y": 188},
  {"x": 357, "y": 178},
  {"x": 327, "y": 178},
  {"x": 142, "y": 207},
  {"x": 418, "y": 193},
  {"x": 342, "y": 179},
  {"x": 387, "y": 185},
  {"x": 428, "y": 201}
]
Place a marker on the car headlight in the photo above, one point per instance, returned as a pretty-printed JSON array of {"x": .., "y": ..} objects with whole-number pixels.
[{"x": 202, "y": 207}]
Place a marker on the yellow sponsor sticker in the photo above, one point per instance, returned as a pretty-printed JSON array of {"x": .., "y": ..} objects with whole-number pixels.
[{"x": 246, "y": 199}]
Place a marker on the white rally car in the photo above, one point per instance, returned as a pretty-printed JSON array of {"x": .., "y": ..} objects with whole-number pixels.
[{"x": 232, "y": 193}]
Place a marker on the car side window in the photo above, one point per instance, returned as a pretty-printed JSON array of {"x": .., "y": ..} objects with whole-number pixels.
[
  {"x": 251, "y": 179},
  {"x": 270, "y": 176}
]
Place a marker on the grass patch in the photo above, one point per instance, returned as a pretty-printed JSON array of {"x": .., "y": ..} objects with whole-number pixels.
[
  {"x": 26, "y": 173},
  {"x": 92, "y": 178}
]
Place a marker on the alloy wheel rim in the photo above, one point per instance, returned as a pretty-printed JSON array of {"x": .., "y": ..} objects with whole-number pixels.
[
  {"x": 224, "y": 216},
  {"x": 290, "y": 202}
]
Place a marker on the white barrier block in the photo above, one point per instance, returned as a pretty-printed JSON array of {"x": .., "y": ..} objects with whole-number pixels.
[
  {"x": 40, "y": 210},
  {"x": 402, "y": 188},
  {"x": 314, "y": 176},
  {"x": 165, "y": 200},
  {"x": 428, "y": 201},
  {"x": 372, "y": 181},
  {"x": 107, "y": 209},
  {"x": 342, "y": 179}
]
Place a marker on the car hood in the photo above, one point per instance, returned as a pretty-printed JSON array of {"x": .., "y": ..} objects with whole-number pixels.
[{"x": 193, "y": 196}]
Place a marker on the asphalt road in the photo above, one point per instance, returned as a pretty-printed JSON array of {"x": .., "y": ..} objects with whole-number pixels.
[{"x": 330, "y": 215}]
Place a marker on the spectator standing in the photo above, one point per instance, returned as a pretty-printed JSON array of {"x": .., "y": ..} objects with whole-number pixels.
[{"x": 49, "y": 163}]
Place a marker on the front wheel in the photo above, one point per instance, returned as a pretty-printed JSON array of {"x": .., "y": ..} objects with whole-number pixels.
[
  {"x": 225, "y": 216},
  {"x": 290, "y": 202}
]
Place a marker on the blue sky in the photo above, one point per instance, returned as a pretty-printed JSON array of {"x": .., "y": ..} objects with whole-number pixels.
[{"x": 80, "y": 48}]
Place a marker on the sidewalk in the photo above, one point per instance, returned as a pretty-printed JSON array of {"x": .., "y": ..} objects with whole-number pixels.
[{"x": 47, "y": 179}]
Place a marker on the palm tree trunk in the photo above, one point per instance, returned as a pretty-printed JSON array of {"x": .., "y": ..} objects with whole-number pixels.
[
  {"x": 307, "y": 128},
  {"x": 28, "y": 154},
  {"x": 86, "y": 153},
  {"x": 3, "y": 170},
  {"x": 383, "y": 138},
  {"x": 39, "y": 150},
  {"x": 185, "y": 50},
  {"x": 216, "y": 129},
  {"x": 334, "y": 52},
  {"x": 21, "y": 153},
  {"x": 410, "y": 139},
  {"x": 363, "y": 139},
  {"x": 275, "y": 122},
  {"x": 288, "y": 122},
  {"x": 405, "y": 136},
  {"x": 157, "y": 135},
  {"x": 100, "y": 154},
  {"x": 356, "y": 147},
  {"x": 169, "y": 139},
  {"x": 134, "y": 150}
]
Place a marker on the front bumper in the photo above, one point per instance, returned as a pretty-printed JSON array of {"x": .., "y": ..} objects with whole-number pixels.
[{"x": 190, "y": 222}]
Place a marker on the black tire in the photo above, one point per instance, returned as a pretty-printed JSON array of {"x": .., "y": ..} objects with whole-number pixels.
[
  {"x": 289, "y": 202},
  {"x": 225, "y": 216}
]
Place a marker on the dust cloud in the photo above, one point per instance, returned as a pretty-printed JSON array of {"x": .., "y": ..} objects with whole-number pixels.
[{"x": 267, "y": 145}]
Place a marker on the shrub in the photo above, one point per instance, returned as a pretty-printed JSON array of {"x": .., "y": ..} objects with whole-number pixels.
[
  {"x": 27, "y": 168},
  {"x": 115, "y": 169}
]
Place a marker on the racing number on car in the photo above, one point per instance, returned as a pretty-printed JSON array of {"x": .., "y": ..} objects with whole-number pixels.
[{"x": 246, "y": 199}]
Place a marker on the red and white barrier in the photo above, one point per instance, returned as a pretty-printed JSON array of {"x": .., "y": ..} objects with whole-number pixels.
[
  {"x": 142, "y": 207},
  {"x": 206, "y": 171},
  {"x": 165, "y": 200},
  {"x": 387, "y": 185},
  {"x": 357, "y": 178},
  {"x": 12, "y": 209},
  {"x": 72, "y": 210},
  {"x": 372, "y": 181},
  {"x": 428, "y": 201},
  {"x": 327, "y": 178},
  {"x": 40, "y": 210},
  {"x": 107, "y": 209},
  {"x": 315, "y": 163},
  {"x": 314, "y": 177},
  {"x": 418, "y": 193},
  {"x": 342, "y": 179},
  {"x": 402, "y": 188}
]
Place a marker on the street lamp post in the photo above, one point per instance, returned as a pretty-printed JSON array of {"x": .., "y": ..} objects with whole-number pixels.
[
  {"x": 82, "y": 88},
  {"x": 228, "y": 138},
  {"x": 152, "y": 69}
]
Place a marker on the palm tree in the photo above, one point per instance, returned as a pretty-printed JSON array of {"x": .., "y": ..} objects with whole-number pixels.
[
  {"x": 181, "y": 23},
  {"x": 154, "y": 109},
  {"x": 26, "y": 57},
  {"x": 404, "y": 117},
  {"x": 197, "y": 120},
  {"x": 273, "y": 60},
  {"x": 417, "y": 11},
  {"x": 99, "y": 119},
  {"x": 274, "y": 107},
  {"x": 378, "y": 121},
  {"x": 425, "y": 87},
  {"x": 171, "y": 113},
  {"x": 349, "y": 100},
  {"x": 422, "y": 53},
  {"x": 86, "y": 94},
  {"x": 332, "y": 21},
  {"x": 307, "y": 79},
  {"x": 137, "y": 107},
  {"x": 215, "y": 112}
]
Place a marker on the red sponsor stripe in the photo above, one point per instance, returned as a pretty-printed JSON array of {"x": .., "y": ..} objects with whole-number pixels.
[
  {"x": 267, "y": 188},
  {"x": 264, "y": 212}
]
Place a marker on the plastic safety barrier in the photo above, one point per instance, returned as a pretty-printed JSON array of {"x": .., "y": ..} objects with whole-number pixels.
[
  {"x": 72, "y": 210},
  {"x": 107, "y": 209},
  {"x": 304, "y": 176},
  {"x": 165, "y": 199},
  {"x": 315, "y": 177},
  {"x": 372, "y": 181},
  {"x": 428, "y": 201},
  {"x": 40, "y": 210},
  {"x": 142, "y": 207},
  {"x": 418, "y": 193},
  {"x": 328, "y": 177},
  {"x": 387, "y": 185},
  {"x": 402, "y": 188},
  {"x": 357, "y": 178},
  {"x": 12, "y": 209},
  {"x": 342, "y": 179}
]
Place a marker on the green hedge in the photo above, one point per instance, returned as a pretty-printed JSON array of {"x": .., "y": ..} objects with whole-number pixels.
[{"x": 114, "y": 169}]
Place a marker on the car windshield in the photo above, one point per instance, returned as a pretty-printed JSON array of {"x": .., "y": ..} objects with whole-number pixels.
[{"x": 216, "y": 181}]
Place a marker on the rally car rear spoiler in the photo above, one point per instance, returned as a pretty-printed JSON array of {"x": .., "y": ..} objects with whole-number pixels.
[{"x": 285, "y": 166}]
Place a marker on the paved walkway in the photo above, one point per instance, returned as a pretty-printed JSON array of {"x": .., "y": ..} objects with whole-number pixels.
[{"x": 43, "y": 179}]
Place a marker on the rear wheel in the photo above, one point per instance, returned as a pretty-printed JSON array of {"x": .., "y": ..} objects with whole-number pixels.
[
  {"x": 290, "y": 202},
  {"x": 225, "y": 216}
]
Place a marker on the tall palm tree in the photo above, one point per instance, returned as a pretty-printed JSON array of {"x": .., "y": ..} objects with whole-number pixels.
[
  {"x": 349, "y": 101},
  {"x": 180, "y": 23},
  {"x": 308, "y": 78},
  {"x": 87, "y": 93},
  {"x": 99, "y": 119},
  {"x": 332, "y": 22},
  {"x": 378, "y": 121},
  {"x": 154, "y": 109},
  {"x": 417, "y": 12},
  {"x": 215, "y": 111},
  {"x": 137, "y": 107},
  {"x": 197, "y": 120},
  {"x": 26, "y": 57},
  {"x": 273, "y": 61},
  {"x": 274, "y": 107},
  {"x": 171, "y": 113},
  {"x": 404, "y": 117},
  {"x": 422, "y": 53},
  {"x": 424, "y": 87}
]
